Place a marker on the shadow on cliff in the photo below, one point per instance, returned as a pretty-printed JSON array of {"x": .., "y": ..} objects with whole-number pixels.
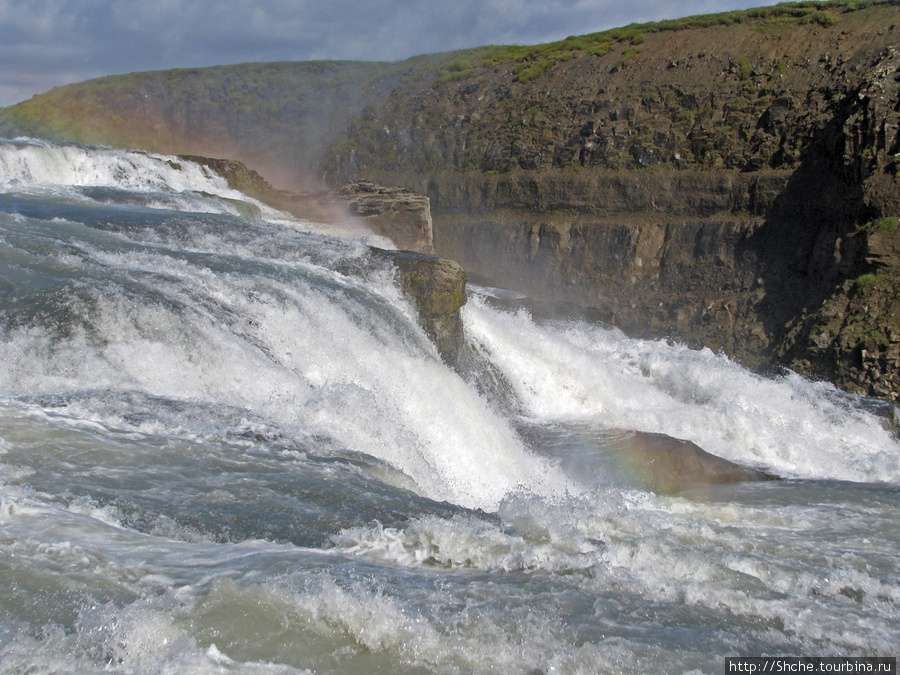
[{"x": 808, "y": 246}]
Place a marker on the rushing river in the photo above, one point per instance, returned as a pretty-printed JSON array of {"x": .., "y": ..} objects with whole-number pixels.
[{"x": 227, "y": 446}]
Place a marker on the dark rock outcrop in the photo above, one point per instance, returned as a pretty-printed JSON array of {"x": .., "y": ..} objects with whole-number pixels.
[{"x": 437, "y": 288}]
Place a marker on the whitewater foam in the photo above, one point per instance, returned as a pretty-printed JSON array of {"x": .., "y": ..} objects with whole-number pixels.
[
  {"x": 33, "y": 162},
  {"x": 279, "y": 338},
  {"x": 227, "y": 445},
  {"x": 578, "y": 373},
  {"x": 143, "y": 179}
]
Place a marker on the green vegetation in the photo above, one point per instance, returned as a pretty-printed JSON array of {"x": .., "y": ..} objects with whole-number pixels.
[
  {"x": 525, "y": 72},
  {"x": 866, "y": 282},
  {"x": 802, "y": 12},
  {"x": 627, "y": 55},
  {"x": 457, "y": 69},
  {"x": 824, "y": 19},
  {"x": 532, "y": 61},
  {"x": 888, "y": 225}
]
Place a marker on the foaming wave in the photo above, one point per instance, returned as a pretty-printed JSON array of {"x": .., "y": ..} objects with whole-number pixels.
[
  {"x": 382, "y": 626},
  {"x": 465, "y": 541},
  {"x": 144, "y": 179},
  {"x": 576, "y": 372},
  {"x": 32, "y": 162},
  {"x": 768, "y": 567},
  {"x": 318, "y": 353}
]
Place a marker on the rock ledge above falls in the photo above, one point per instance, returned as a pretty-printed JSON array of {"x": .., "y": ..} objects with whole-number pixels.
[
  {"x": 396, "y": 213},
  {"x": 436, "y": 286}
]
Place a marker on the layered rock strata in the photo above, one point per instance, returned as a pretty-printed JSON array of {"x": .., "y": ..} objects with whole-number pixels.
[{"x": 396, "y": 213}]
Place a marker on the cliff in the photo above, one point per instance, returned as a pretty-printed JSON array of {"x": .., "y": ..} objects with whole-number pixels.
[
  {"x": 727, "y": 180},
  {"x": 396, "y": 213},
  {"x": 733, "y": 186}
]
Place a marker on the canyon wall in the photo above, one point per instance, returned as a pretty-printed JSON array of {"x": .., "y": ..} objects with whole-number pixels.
[{"x": 748, "y": 204}]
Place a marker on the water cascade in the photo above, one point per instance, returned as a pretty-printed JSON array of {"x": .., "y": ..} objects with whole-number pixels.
[{"x": 226, "y": 445}]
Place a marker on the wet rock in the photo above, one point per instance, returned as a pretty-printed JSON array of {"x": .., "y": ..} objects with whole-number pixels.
[
  {"x": 238, "y": 176},
  {"x": 669, "y": 465},
  {"x": 437, "y": 288}
]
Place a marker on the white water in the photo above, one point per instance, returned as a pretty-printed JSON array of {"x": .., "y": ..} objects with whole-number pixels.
[
  {"x": 226, "y": 446},
  {"x": 575, "y": 372},
  {"x": 152, "y": 180},
  {"x": 32, "y": 162}
]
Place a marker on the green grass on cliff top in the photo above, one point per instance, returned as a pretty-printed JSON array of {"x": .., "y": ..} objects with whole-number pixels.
[{"x": 531, "y": 61}]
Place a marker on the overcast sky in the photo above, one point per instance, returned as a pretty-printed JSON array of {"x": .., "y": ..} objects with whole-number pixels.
[{"x": 46, "y": 43}]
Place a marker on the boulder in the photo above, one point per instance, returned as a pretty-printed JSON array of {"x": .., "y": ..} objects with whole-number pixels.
[{"x": 669, "y": 465}]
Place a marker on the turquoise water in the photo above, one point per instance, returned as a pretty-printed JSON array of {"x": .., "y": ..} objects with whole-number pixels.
[{"x": 226, "y": 446}]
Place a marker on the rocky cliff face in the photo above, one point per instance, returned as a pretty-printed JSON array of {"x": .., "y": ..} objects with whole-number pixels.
[
  {"x": 437, "y": 288},
  {"x": 732, "y": 189},
  {"x": 398, "y": 214}
]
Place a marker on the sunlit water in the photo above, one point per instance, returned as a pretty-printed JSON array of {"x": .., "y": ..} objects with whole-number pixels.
[{"x": 227, "y": 446}]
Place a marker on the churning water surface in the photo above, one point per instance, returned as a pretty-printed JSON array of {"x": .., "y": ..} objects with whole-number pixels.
[{"x": 227, "y": 446}]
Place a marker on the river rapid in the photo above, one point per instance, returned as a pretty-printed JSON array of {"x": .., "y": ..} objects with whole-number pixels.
[{"x": 226, "y": 446}]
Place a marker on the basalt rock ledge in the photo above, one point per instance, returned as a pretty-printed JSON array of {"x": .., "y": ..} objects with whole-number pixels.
[{"x": 435, "y": 286}]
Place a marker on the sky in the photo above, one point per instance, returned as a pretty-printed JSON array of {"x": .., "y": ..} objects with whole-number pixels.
[{"x": 48, "y": 43}]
